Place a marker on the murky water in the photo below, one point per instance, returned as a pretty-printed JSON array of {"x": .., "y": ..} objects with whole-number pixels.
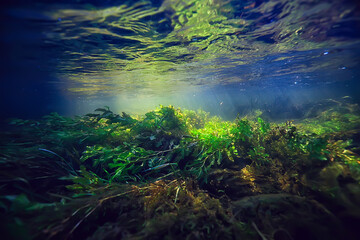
[{"x": 226, "y": 57}]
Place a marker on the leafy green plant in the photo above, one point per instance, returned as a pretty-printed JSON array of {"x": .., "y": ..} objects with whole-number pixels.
[
  {"x": 264, "y": 127},
  {"x": 121, "y": 163},
  {"x": 85, "y": 183},
  {"x": 242, "y": 130},
  {"x": 160, "y": 163},
  {"x": 213, "y": 145},
  {"x": 258, "y": 155}
]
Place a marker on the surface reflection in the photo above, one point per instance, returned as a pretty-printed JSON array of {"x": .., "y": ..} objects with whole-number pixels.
[{"x": 161, "y": 49}]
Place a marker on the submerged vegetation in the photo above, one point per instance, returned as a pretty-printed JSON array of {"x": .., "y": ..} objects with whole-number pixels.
[
  {"x": 174, "y": 173},
  {"x": 181, "y": 174}
]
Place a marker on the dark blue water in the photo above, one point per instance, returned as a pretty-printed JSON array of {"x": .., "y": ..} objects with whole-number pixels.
[{"x": 72, "y": 57}]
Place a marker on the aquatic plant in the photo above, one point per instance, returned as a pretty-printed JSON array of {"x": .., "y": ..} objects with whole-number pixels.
[{"x": 168, "y": 162}]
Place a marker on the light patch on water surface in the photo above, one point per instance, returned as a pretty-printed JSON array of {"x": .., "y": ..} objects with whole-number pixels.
[
  {"x": 152, "y": 80},
  {"x": 139, "y": 34},
  {"x": 160, "y": 52}
]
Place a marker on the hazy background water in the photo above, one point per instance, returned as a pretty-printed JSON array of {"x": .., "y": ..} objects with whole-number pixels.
[{"x": 226, "y": 57}]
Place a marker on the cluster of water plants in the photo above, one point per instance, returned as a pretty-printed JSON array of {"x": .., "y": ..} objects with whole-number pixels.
[{"x": 178, "y": 173}]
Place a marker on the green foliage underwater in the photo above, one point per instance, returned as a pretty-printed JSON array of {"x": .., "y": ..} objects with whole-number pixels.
[{"x": 182, "y": 174}]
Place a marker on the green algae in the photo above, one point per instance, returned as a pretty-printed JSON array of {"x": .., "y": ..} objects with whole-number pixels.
[{"x": 175, "y": 172}]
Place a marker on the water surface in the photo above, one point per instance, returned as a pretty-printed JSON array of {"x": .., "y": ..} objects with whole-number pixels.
[{"x": 223, "y": 56}]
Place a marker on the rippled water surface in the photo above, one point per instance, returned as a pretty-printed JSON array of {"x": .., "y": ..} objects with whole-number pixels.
[{"x": 223, "y": 56}]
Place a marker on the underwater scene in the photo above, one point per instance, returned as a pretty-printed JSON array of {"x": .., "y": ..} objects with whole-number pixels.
[{"x": 180, "y": 119}]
